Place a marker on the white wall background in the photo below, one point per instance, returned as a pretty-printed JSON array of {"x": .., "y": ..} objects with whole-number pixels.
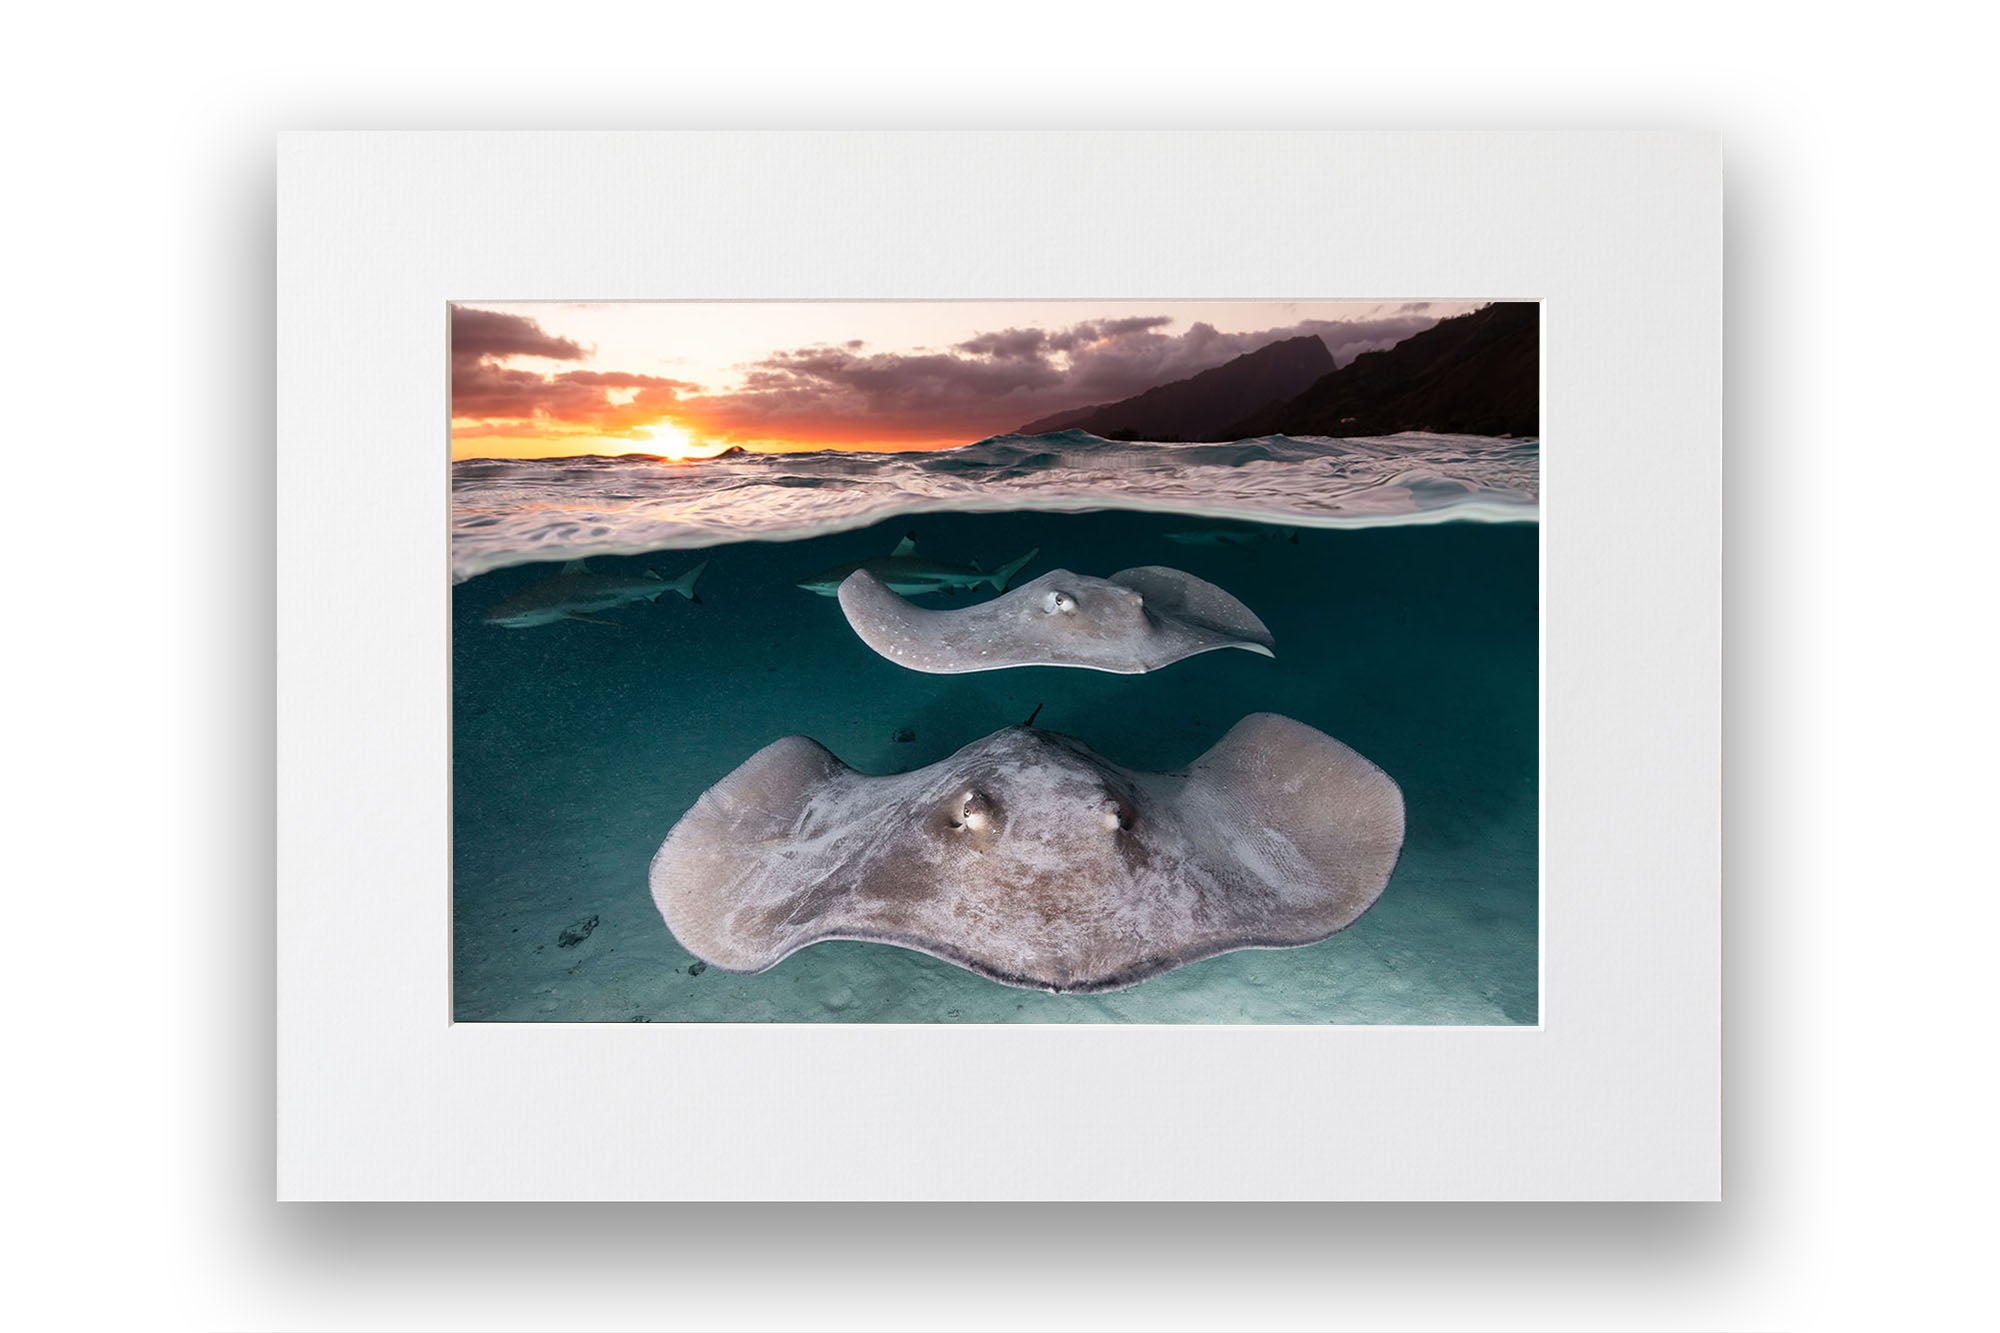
[{"x": 1859, "y": 904}]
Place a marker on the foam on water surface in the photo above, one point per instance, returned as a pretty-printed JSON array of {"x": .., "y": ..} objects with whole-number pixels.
[{"x": 508, "y": 512}]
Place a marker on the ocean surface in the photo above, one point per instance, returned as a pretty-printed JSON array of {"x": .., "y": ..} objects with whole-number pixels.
[
  {"x": 1398, "y": 576},
  {"x": 508, "y": 511}
]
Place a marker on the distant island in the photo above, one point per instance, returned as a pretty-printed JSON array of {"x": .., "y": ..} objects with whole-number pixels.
[
  {"x": 1202, "y": 406},
  {"x": 1474, "y": 374}
]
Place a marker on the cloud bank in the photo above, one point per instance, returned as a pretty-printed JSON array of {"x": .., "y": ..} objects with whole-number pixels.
[
  {"x": 995, "y": 381},
  {"x": 489, "y": 398},
  {"x": 846, "y": 395}
]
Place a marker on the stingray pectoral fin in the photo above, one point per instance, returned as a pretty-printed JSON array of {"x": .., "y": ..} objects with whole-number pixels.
[
  {"x": 713, "y": 878},
  {"x": 1310, "y": 830},
  {"x": 893, "y": 626},
  {"x": 1181, "y": 596}
]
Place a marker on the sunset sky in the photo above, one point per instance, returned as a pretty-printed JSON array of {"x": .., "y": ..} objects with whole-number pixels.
[{"x": 688, "y": 379}]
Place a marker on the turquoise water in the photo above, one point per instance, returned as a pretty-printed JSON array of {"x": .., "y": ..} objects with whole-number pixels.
[{"x": 578, "y": 746}]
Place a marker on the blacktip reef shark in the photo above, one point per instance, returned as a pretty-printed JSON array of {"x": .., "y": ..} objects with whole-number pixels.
[
  {"x": 910, "y": 574},
  {"x": 1233, "y": 534},
  {"x": 574, "y": 593}
]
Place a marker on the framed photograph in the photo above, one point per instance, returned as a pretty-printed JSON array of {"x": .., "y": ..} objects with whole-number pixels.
[{"x": 806, "y": 674}]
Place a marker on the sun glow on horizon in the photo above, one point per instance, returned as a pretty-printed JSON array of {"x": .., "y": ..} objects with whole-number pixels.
[
  {"x": 669, "y": 441},
  {"x": 676, "y": 444}
]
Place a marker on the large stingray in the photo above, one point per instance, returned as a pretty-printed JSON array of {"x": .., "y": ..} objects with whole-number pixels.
[
  {"x": 1136, "y": 620},
  {"x": 1031, "y": 860}
]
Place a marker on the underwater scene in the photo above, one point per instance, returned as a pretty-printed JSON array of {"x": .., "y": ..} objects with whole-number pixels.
[{"x": 1050, "y": 727}]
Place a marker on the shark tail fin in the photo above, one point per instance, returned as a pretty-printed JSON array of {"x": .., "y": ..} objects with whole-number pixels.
[
  {"x": 684, "y": 584},
  {"x": 1004, "y": 575}
]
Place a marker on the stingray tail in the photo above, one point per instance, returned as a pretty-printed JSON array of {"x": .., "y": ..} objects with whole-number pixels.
[
  {"x": 684, "y": 585},
  {"x": 1004, "y": 575}
]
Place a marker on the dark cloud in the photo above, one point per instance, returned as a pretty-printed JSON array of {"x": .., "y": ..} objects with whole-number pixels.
[
  {"x": 919, "y": 395},
  {"x": 507, "y": 400},
  {"x": 997, "y": 380},
  {"x": 479, "y": 334},
  {"x": 1007, "y": 344}
]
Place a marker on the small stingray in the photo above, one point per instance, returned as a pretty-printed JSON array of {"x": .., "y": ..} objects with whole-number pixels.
[
  {"x": 1136, "y": 620},
  {"x": 1029, "y": 859}
]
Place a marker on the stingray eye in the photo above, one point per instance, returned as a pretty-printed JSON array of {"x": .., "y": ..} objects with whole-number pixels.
[
  {"x": 975, "y": 811},
  {"x": 1115, "y": 814},
  {"x": 1059, "y": 603}
]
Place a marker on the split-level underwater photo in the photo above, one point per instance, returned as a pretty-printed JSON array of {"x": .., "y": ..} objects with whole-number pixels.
[{"x": 996, "y": 662}]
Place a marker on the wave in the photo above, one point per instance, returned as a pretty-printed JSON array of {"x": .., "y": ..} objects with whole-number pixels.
[{"x": 517, "y": 511}]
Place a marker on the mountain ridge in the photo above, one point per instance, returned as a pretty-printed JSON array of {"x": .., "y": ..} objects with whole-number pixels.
[
  {"x": 1196, "y": 407},
  {"x": 1473, "y": 374}
]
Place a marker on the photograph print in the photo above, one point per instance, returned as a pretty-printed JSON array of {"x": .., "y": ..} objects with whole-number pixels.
[{"x": 977, "y": 662}]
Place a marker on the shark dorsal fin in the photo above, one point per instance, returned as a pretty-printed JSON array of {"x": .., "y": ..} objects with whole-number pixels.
[
  {"x": 577, "y": 567},
  {"x": 907, "y": 546}
]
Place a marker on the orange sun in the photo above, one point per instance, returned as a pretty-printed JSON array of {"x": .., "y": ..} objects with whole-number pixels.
[{"x": 669, "y": 441}]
